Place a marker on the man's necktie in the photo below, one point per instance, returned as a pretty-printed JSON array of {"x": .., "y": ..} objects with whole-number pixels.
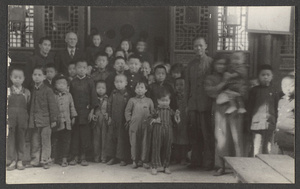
[{"x": 72, "y": 53}]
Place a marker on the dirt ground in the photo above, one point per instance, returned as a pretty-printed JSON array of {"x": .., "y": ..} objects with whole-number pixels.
[{"x": 102, "y": 173}]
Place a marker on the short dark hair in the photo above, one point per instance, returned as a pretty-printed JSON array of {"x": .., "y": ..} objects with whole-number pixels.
[
  {"x": 39, "y": 67},
  {"x": 59, "y": 77},
  {"x": 199, "y": 37},
  {"x": 142, "y": 81},
  {"x": 16, "y": 69},
  {"x": 134, "y": 56},
  {"x": 265, "y": 67},
  {"x": 100, "y": 81},
  {"x": 94, "y": 34},
  {"x": 42, "y": 39},
  {"x": 163, "y": 93},
  {"x": 81, "y": 60},
  {"x": 72, "y": 62},
  {"x": 119, "y": 57},
  {"x": 50, "y": 65},
  {"x": 101, "y": 54},
  {"x": 179, "y": 78},
  {"x": 106, "y": 46},
  {"x": 160, "y": 66}
]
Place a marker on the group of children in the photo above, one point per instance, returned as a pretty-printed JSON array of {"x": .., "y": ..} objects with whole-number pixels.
[{"x": 121, "y": 105}]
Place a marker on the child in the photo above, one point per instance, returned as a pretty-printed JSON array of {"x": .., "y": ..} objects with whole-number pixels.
[
  {"x": 94, "y": 49},
  {"x": 163, "y": 132},
  {"x": 236, "y": 87},
  {"x": 151, "y": 79},
  {"x": 285, "y": 127},
  {"x": 43, "y": 117},
  {"x": 120, "y": 53},
  {"x": 262, "y": 106},
  {"x": 141, "y": 51},
  {"x": 137, "y": 112},
  {"x": 50, "y": 74},
  {"x": 119, "y": 67},
  {"x": 146, "y": 69},
  {"x": 180, "y": 139},
  {"x": 100, "y": 119},
  {"x": 176, "y": 71},
  {"x": 160, "y": 73},
  {"x": 133, "y": 75},
  {"x": 101, "y": 62},
  {"x": 118, "y": 147},
  {"x": 110, "y": 54},
  {"x": 17, "y": 111},
  {"x": 84, "y": 94},
  {"x": 72, "y": 70},
  {"x": 126, "y": 46},
  {"x": 66, "y": 119}
]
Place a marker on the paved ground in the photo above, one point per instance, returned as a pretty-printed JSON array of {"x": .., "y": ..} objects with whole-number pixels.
[{"x": 101, "y": 173}]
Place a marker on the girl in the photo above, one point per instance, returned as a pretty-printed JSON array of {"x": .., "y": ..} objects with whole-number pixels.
[
  {"x": 108, "y": 49},
  {"x": 137, "y": 112},
  {"x": 17, "y": 111},
  {"x": 126, "y": 46}
]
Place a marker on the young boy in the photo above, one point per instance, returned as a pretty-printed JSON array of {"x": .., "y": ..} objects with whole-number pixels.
[
  {"x": 133, "y": 74},
  {"x": 84, "y": 94},
  {"x": 160, "y": 73},
  {"x": 119, "y": 67},
  {"x": 50, "y": 74},
  {"x": 262, "y": 108},
  {"x": 17, "y": 111},
  {"x": 162, "y": 132},
  {"x": 180, "y": 140},
  {"x": 72, "y": 70},
  {"x": 100, "y": 120},
  {"x": 285, "y": 127},
  {"x": 118, "y": 147},
  {"x": 101, "y": 72},
  {"x": 137, "y": 113},
  {"x": 43, "y": 117},
  {"x": 66, "y": 119}
]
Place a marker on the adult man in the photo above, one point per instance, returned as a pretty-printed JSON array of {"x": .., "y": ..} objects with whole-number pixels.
[
  {"x": 199, "y": 108},
  {"x": 71, "y": 53}
]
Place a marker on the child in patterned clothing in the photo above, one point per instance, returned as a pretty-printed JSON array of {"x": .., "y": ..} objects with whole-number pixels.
[
  {"x": 100, "y": 120},
  {"x": 66, "y": 119},
  {"x": 118, "y": 146},
  {"x": 137, "y": 113},
  {"x": 17, "y": 110},
  {"x": 162, "y": 134}
]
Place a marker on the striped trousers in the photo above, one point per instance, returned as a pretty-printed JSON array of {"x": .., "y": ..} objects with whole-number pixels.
[{"x": 161, "y": 145}]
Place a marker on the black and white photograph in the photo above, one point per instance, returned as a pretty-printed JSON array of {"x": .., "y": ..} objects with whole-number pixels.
[{"x": 150, "y": 94}]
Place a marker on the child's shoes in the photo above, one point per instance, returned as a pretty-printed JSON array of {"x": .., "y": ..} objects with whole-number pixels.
[
  {"x": 123, "y": 163},
  {"x": 12, "y": 166},
  {"x": 154, "y": 171},
  {"x": 146, "y": 165},
  {"x": 46, "y": 165},
  {"x": 167, "y": 170},
  {"x": 112, "y": 161},
  {"x": 219, "y": 172},
  {"x": 74, "y": 161},
  {"x": 134, "y": 165},
  {"x": 140, "y": 164},
  {"x": 84, "y": 162},
  {"x": 20, "y": 165},
  {"x": 64, "y": 162}
]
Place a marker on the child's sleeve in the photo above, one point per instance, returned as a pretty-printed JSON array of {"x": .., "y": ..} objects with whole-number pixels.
[
  {"x": 73, "y": 112},
  {"x": 109, "y": 105},
  {"x": 129, "y": 109},
  {"x": 93, "y": 95},
  {"x": 53, "y": 107}
]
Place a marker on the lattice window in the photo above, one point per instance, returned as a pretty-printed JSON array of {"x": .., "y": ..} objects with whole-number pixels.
[
  {"x": 20, "y": 26},
  {"x": 288, "y": 46},
  {"x": 190, "y": 22},
  {"x": 56, "y": 26},
  {"x": 239, "y": 41}
]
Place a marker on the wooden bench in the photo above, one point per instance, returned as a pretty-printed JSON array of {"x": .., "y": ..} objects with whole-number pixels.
[{"x": 263, "y": 169}]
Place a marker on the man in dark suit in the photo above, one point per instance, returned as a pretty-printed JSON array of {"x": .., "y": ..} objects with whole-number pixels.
[{"x": 71, "y": 53}]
